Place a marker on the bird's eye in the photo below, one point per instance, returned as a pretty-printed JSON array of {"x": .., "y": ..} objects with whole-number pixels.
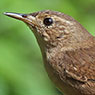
[{"x": 48, "y": 21}]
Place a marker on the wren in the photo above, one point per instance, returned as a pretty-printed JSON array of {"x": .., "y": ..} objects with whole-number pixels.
[{"x": 68, "y": 50}]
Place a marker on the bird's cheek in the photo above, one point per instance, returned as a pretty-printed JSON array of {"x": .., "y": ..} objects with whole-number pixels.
[
  {"x": 45, "y": 36},
  {"x": 60, "y": 36}
]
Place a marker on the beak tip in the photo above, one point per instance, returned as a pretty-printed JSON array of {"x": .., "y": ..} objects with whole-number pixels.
[
  {"x": 5, "y": 13},
  {"x": 13, "y": 15}
]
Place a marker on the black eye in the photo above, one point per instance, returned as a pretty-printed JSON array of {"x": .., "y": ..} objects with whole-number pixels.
[{"x": 48, "y": 21}]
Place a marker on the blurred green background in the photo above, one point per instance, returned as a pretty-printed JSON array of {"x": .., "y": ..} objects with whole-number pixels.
[{"x": 21, "y": 68}]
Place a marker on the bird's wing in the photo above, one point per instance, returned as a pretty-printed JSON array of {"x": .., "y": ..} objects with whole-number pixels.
[{"x": 80, "y": 64}]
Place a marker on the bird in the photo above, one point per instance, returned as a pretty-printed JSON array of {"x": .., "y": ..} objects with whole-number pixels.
[{"x": 67, "y": 48}]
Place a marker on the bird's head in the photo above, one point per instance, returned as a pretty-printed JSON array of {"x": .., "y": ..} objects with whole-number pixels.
[{"x": 53, "y": 28}]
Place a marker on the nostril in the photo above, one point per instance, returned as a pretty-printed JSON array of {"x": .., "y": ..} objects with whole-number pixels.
[{"x": 24, "y": 15}]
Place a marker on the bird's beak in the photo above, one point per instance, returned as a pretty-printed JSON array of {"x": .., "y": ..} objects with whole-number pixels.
[{"x": 27, "y": 18}]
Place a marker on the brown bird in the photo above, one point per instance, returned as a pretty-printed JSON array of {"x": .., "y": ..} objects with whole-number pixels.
[{"x": 68, "y": 50}]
